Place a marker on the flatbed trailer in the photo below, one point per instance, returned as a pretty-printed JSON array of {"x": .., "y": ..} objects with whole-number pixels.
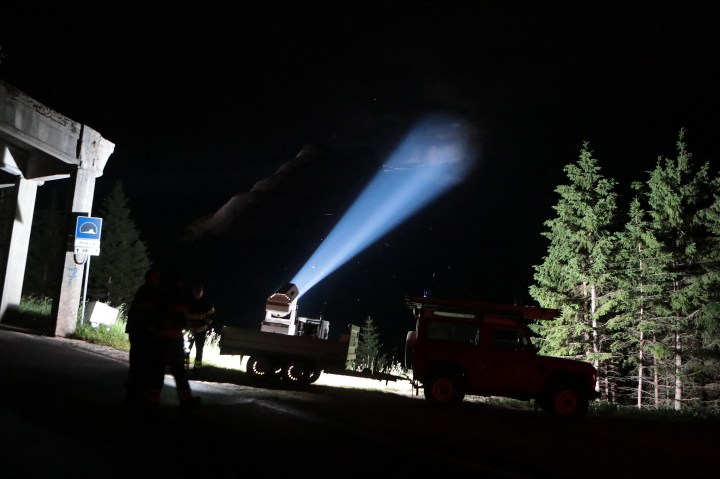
[{"x": 298, "y": 360}]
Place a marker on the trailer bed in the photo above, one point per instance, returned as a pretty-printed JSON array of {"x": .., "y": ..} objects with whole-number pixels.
[{"x": 249, "y": 342}]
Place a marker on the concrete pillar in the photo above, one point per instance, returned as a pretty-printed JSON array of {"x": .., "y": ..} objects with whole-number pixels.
[
  {"x": 93, "y": 153},
  {"x": 67, "y": 304},
  {"x": 14, "y": 274}
]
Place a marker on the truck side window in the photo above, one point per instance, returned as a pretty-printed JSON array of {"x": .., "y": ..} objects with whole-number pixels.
[
  {"x": 455, "y": 332},
  {"x": 505, "y": 339}
]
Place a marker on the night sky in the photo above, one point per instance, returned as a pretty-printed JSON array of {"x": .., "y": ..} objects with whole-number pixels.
[{"x": 203, "y": 102}]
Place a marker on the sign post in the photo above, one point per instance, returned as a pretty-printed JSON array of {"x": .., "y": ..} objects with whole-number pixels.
[
  {"x": 87, "y": 235},
  {"x": 87, "y": 242}
]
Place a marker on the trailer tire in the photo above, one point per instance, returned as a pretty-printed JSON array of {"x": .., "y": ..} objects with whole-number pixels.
[
  {"x": 297, "y": 373},
  {"x": 314, "y": 376},
  {"x": 261, "y": 369}
]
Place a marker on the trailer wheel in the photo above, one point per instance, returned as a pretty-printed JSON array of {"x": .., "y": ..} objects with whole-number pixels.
[
  {"x": 314, "y": 376},
  {"x": 260, "y": 368},
  {"x": 444, "y": 389},
  {"x": 297, "y": 373}
]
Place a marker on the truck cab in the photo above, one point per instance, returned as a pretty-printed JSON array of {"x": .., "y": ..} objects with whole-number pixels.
[{"x": 464, "y": 347}]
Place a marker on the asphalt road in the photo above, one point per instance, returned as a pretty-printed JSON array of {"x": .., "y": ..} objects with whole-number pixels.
[{"x": 62, "y": 415}]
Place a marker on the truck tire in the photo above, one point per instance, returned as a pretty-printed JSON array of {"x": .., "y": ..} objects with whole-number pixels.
[
  {"x": 444, "y": 389},
  {"x": 261, "y": 369},
  {"x": 410, "y": 340},
  {"x": 565, "y": 401}
]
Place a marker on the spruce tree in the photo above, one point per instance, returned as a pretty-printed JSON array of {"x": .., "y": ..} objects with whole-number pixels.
[
  {"x": 707, "y": 370},
  {"x": 119, "y": 270},
  {"x": 633, "y": 328},
  {"x": 367, "y": 353},
  {"x": 678, "y": 196},
  {"x": 574, "y": 274}
]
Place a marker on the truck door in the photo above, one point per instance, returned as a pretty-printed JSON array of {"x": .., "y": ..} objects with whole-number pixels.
[
  {"x": 504, "y": 362},
  {"x": 509, "y": 359},
  {"x": 448, "y": 338}
]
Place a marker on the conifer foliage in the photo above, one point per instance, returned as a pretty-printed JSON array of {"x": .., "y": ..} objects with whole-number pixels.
[
  {"x": 639, "y": 299},
  {"x": 574, "y": 274},
  {"x": 678, "y": 195},
  {"x": 367, "y": 355},
  {"x": 639, "y": 281},
  {"x": 119, "y": 270}
]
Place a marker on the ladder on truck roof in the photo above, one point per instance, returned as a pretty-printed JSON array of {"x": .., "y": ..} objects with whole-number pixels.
[{"x": 527, "y": 313}]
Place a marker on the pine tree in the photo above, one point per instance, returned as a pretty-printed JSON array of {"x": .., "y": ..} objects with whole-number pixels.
[
  {"x": 678, "y": 196},
  {"x": 118, "y": 271},
  {"x": 644, "y": 301},
  {"x": 639, "y": 282},
  {"x": 707, "y": 372},
  {"x": 368, "y": 349},
  {"x": 574, "y": 274}
]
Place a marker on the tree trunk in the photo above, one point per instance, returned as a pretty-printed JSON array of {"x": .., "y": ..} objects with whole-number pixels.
[
  {"x": 640, "y": 372},
  {"x": 656, "y": 378},
  {"x": 595, "y": 341},
  {"x": 677, "y": 405}
]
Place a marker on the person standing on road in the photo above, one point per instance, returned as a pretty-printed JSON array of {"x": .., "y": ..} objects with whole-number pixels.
[
  {"x": 147, "y": 306},
  {"x": 170, "y": 349},
  {"x": 201, "y": 315}
]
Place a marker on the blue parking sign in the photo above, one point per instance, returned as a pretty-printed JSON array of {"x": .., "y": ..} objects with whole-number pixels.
[{"x": 88, "y": 227}]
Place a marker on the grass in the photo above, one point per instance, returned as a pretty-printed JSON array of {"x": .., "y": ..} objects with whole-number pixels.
[
  {"x": 112, "y": 335},
  {"x": 33, "y": 314}
]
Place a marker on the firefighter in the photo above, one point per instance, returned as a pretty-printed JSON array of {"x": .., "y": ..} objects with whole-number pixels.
[
  {"x": 201, "y": 315},
  {"x": 169, "y": 351},
  {"x": 147, "y": 305}
]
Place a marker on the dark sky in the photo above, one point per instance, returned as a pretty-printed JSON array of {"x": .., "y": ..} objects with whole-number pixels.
[{"x": 202, "y": 102}]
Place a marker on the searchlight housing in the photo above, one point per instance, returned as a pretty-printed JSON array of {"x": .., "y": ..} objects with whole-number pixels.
[{"x": 281, "y": 310}]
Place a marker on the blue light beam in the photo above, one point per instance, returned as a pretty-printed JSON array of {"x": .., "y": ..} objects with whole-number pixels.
[{"x": 436, "y": 155}]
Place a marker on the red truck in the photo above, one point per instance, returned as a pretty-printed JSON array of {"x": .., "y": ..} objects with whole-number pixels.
[{"x": 464, "y": 347}]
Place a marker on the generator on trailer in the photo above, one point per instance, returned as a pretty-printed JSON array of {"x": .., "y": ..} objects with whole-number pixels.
[{"x": 292, "y": 348}]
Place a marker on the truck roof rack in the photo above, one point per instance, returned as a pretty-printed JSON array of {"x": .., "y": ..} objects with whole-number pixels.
[{"x": 527, "y": 313}]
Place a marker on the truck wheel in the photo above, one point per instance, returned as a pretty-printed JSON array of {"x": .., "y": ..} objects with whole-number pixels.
[
  {"x": 297, "y": 373},
  {"x": 566, "y": 401},
  {"x": 260, "y": 368},
  {"x": 444, "y": 389}
]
